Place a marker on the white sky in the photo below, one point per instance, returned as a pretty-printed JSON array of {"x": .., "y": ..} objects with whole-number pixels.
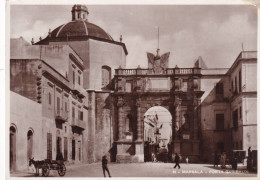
[{"x": 214, "y": 32}]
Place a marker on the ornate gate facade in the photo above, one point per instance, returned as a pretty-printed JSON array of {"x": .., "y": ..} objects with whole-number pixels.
[{"x": 176, "y": 89}]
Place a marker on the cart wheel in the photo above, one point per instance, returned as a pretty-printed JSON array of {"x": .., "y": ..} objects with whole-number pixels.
[
  {"x": 45, "y": 170},
  {"x": 62, "y": 170}
]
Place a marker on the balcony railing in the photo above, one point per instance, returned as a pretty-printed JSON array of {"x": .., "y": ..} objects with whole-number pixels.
[
  {"x": 168, "y": 71},
  {"x": 61, "y": 116},
  {"x": 77, "y": 89},
  {"x": 78, "y": 123}
]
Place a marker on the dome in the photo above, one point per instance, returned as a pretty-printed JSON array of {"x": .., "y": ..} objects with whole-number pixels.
[{"x": 80, "y": 28}]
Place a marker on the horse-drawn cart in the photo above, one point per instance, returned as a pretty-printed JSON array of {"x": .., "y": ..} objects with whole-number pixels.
[{"x": 47, "y": 165}]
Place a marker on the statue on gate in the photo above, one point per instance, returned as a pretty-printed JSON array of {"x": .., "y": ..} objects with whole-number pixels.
[{"x": 158, "y": 63}]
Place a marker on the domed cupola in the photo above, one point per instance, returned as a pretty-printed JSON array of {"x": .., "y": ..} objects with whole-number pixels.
[
  {"x": 79, "y": 26},
  {"x": 79, "y": 12}
]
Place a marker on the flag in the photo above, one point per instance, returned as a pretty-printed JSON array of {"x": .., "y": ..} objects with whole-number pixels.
[{"x": 156, "y": 116}]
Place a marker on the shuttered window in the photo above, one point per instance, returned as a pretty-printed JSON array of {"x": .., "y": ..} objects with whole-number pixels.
[
  {"x": 220, "y": 121},
  {"x": 49, "y": 146}
]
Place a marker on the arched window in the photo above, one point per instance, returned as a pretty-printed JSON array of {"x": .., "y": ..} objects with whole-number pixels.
[
  {"x": 106, "y": 75},
  {"x": 12, "y": 148},
  {"x": 29, "y": 144}
]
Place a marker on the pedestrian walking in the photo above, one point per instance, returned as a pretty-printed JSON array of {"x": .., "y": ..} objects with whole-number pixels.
[
  {"x": 154, "y": 158},
  {"x": 187, "y": 160},
  {"x": 216, "y": 159},
  {"x": 104, "y": 166},
  {"x": 59, "y": 158},
  {"x": 223, "y": 160},
  {"x": 177, "y": 160}
]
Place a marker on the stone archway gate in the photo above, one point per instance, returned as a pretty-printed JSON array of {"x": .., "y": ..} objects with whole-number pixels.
[{"x": 176, "y": 89}]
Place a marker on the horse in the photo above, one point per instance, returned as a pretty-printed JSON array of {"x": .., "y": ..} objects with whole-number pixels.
[{"x": 37, "y": 164}]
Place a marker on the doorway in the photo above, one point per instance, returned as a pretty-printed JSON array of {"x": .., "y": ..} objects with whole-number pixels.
[
  {"x": 12, "y": 148},
  {"x": 29, "y": 144},
  {"x": 157, "y": 134}
]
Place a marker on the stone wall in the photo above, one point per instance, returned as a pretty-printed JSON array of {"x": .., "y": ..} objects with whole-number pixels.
[
  {"x": 26, "y": 115},
  {"x": 104, "y": 126},
  {"x": 23, "y": 77}
]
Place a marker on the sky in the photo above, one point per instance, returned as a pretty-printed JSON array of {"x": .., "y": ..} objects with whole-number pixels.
[{"x": 214, "y": 32}]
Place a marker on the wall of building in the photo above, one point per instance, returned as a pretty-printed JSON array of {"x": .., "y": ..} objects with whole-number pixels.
[
  {"x": 104, "y": 125},
  {"x": 23, "y": 77},
  {"x": 56, "y": 56},
  {"x": 26, "y": 115},
  {"x": 249, "y": 114},
  {"x": 82, "y": 49},
  {"x": 210, "y": 106},
  {"x": 100, "y": 54},
  {"x": 249, "y": 77}
]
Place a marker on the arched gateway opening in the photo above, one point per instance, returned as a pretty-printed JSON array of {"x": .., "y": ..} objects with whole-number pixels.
[
  {"x": 157, "y": 134},
  {"x": 138, "y": 92}
]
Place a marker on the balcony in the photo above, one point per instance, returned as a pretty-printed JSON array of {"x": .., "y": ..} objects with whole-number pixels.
[
  {"x": 168, "y": 71},
  {"x": 78, "y": 90},
  {"x": 61, "y": 116},
  {"x": 78, "y": 124}
]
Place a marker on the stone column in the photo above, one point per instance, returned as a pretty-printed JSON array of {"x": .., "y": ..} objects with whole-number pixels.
[
  {"x": 120, "y": 104},
  {"x": 139, "y": 120},
  {"x": 139, "y": 146},
  {"x": 91, "y": 126}
]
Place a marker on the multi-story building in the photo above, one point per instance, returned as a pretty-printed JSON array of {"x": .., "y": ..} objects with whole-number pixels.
[
  {"x": 48, "y": 79},
  {"x": 228, "y": 107}
]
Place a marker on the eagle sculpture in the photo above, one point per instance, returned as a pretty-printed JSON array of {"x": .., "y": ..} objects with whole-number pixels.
[{"x": 159, "y": 64}]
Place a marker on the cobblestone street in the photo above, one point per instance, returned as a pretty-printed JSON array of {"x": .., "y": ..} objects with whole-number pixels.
[{"x": 149, "y": 170}]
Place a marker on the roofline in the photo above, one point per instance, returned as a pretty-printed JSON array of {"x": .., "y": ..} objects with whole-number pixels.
[
  {"x": 241, "y": 59},
  {"x": 79, "y": 38}
]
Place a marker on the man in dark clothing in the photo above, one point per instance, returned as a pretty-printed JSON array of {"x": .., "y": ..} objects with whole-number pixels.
[
  {"x": 177, "y": 160},
  {"x": 104, "y": 166},
  {"x": 59, "y": 158}
]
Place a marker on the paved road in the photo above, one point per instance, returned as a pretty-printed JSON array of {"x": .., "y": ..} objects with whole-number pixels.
[{"x": 151, "y": 170}]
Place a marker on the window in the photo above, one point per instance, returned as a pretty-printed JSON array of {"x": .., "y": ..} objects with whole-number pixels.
[
  {"x": 79, "y": 151},
  {"x": 106, "y": 75},
  {"x": 58, "y": 105},
  {"x": 80, "y": 114},
  {"x": 73, "y": 112},
  {"x": 235, "y": 119},
  {"x": 73, "y": 149},
  {"x": 240, "y": 81},
  {"x": 66, "y": 107},
  {"x": 49, "y": 98},
  {"x": 127, "y": 124},
  {"x": 79, "y": 80},
  {"x": 49, "y": 146},
  {"x": 235, "y": 85},
  {"x": 219, "y": 89},
  {"x": 65, "y": 148},
  {"x": 73, "y": 77},
  {"x": 220, "y": 121},
  {"x": 232, "y": 86},
  {"x": 29, "y": 144},
  {"x": 240, "y": 112}
]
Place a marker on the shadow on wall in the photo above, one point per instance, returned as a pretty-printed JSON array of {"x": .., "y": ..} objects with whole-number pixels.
[{"x": 210, "y": 136}]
